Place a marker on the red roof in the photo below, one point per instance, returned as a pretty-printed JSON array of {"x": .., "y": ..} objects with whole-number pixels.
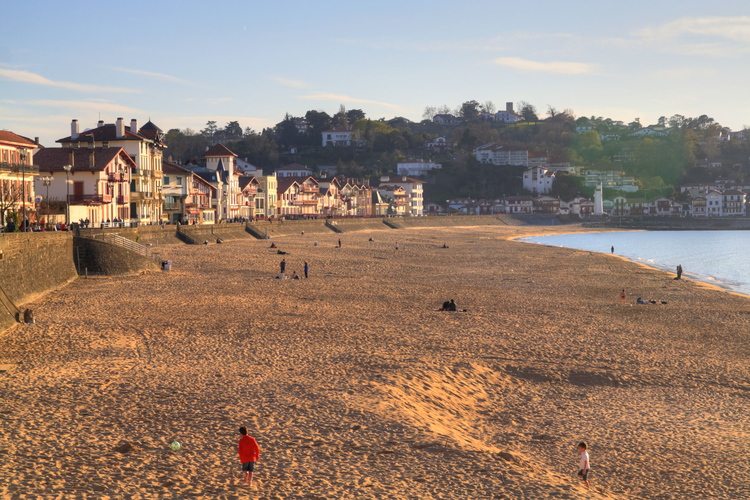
[
  {"x": 54, "y": 159},
  {"x": 218, "y": 150},
  {"x": 15, "y": 139},
  {"x": 172, "y": 168}
]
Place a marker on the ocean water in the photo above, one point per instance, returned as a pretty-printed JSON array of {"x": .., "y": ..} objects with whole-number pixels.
[{"x": 716, "y": 257}]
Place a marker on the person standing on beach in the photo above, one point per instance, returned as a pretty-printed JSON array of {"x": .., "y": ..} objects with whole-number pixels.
[
  {"x": 339, "y": 242},
  {"x": 613, "y": 250},
  {"x": 249, "y": 453},
  {"x": 282, "y": 267},
  {"x": 679, "y": 272},
  {"x": 623, "y": 296},
  {"x": 584, "y": 465},
  {"x": 306, "y": 269}
]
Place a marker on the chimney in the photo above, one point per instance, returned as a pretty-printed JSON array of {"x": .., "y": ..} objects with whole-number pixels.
[
  {"x": 509, "y": 107},
  {"x": 134, "y": 125},
  {"x": 36, "y": 140},
  {"x": 72, "y": 158},
  {"x": 92, "y": 160},
  {"x": 100, "y": 123},
  {"x": 74, "y": 129},
  {"x": 120, "y": 128}
]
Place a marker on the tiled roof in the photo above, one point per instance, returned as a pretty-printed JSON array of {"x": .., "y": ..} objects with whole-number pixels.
[
  {"x": 106, "y": 132},
  {"x": 54, "y": 159},
  {"x": 219, "y": 150},
  {"x": 15, "y": 139},
  {"x": 173, "y": 168},
  {"x": 292, "y": 166},
  {"x": 403, "y": 178},
  {"x": 339, "y": 129},
  {"x": 285, "y": 183}
]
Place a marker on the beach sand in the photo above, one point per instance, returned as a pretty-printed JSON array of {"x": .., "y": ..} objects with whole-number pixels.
[{"x": 355, "y": 387}]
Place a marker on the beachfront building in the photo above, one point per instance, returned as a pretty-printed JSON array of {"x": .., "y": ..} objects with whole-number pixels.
[
  {"x": 329, "y": 197},
  {"x": 538, "y": 180},
  {"x": 17, "y": 174},
  {"x": 414, "y": 190},
  {"x": 298, "y": 196},
  {"x": 95, "y": 187},
  {"x": 716, "y": 203},
  {"x": 519, "y": 204},
  {"x": 145, "y": 146},
  {"x": 416, "y": 167},
  {"x": 249, "y": 189},
  {"x": 266, "y": 201},
  {"x": 497, "y": 154},
  {"x": 220, "y": 159},
  {"x": 395, "y": 197}
]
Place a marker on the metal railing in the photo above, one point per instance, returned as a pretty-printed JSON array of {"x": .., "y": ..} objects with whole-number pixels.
[{"x": 116, "y": 239}]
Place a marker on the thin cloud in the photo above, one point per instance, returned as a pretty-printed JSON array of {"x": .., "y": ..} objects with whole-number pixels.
[
  {"x": 98, "y": 106},
  {"x": 326, "y": 96},
  {"x": 559, "y": 67},
  {"x": 151, "y": 74},
  {"x": 29, "y": 77},
  {"x": 297, "y": 84}
]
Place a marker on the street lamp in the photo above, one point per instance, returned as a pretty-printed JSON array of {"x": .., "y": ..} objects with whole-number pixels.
[
  {"x": 47, "y": 180},
  {"x": 67, "y": 169},
  {"x": 24, "y": 155}
]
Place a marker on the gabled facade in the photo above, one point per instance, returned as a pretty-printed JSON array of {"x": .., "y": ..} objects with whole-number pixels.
[
  {"x": 96, "y": 188},
  {"x": 176, "y": 185},
  {"x": 497, "y": 154},
  {"x": 266, "y": 202},
  {"x": 538, "y": 180},
  {"x": 230, "y": 206},
  {"x": 145, "y": 146},
  {"x": 17, "y": 174},
  {"x": 414, "y": 190}
]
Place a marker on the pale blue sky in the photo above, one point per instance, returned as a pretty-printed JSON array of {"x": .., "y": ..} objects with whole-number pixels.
[{"x": 182, "y": 63}]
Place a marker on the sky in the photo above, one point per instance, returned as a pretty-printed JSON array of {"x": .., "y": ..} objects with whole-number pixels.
[{"x": 183, "y": 63}]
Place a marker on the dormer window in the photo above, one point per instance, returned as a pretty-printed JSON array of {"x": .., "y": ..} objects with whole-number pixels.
[{"x": 105, "y": 144}]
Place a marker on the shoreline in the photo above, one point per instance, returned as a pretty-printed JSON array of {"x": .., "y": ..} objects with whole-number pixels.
[{"x": 692, "y": 277}]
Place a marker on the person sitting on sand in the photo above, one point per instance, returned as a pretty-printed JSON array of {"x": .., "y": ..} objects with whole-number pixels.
[
  {"x": 446, "y": 305},
  {"x": 445, "y": 246},
  {"x": 452, "y": 306},
  {"x": 295, "y": 276},
  {"x": 273, "y": 245}
]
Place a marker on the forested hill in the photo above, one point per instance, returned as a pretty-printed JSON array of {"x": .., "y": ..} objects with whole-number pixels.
[{"x": 660, "y": 161}]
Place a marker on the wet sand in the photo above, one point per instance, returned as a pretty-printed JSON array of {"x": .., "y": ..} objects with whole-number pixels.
[{"x": 355, "y": 387}]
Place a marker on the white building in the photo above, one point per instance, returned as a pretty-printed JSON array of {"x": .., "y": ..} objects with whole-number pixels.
[
  {"x": 416, "y": 167},
  {"x": 340, "y": 137},
  {"x": 610, "y": 179},
  {"x": 293, "y": 170},
  {"x": 413, "y": 189},
  {"x": 500, "y": 155},
  {"x": 538, "y": 180},
  {"x": 437, "y": 143},
  {"x": 508, "y": 115}
]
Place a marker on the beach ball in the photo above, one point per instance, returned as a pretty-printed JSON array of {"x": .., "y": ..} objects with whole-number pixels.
[{"x": 175, "y": 446}]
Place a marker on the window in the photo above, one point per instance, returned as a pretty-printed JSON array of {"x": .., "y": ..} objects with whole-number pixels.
[
  {"x": 179, "y": 181},
  {"x": 166, "y": 179}
]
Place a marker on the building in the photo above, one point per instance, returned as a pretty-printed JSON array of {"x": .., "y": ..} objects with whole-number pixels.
[
  {"x": 95, "y": 187},
  {"x": 538, "y": 180},
  {"x": 508, "y": 115},
  {"x": 519, "y": 204},
  {"x": 416, "y": 167},
  {"x": 176, "y": 186},
  {"x": 715, "y": 203},
  {"x": 447, "y": 119},
  {"x": 249, "y": 188},
  {"x": 497, "y": 154},
  {"x": 230, "y": 205},
  {"x": 395, "y": 197},
  {"x": 266, "y": 201},
  {"x": 340, "y": 137},
  {"x": 438, "y": 144},
  {"x": 17, "y": 174},
  {"x": 610, "y": 177},
  {"x": 298, "y": 196},
  {"x": 293, "y": 170},
  {"x": 414, "y": 190}
]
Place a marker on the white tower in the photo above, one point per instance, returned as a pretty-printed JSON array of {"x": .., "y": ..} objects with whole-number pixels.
[{"x": 598, "y": 201}]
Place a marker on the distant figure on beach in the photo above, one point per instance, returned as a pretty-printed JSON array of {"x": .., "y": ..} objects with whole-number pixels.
[
  {"x": 306, "y": 269},
  {"x": 647, "y": 301},
  {"x": 370, "y": 240},
  {"x": 584, "y": 464},
  {"x": 339, "y": 243},
  {"x": 452, "y": 306},
  {"x": 282, "y": 267},
  {"x": 445, "y": 245},
  {"x": 623, "y": 296},
  {"x": 249, "y": 453},
  {"x": 273, "y": 245},
  {"x": 397, "y": 245},
  {"x": 613, "y": 250},
  {"x": 679, "y": 272},
  {"x": 446, "y": 305},
  {"x": 295, "y": 276}
]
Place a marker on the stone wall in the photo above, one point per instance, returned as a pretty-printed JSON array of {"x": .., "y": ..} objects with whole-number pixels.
[
  {"x": 279, "y": 228},
  {"x": 32, "y": 264},
  {"x": 145, "y": 235},
  {"x": 349, "y": 225},
  {"x": 98, "y": 257}
]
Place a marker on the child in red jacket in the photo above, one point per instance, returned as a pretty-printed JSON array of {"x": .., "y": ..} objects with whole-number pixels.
[{"x": 249, "y": 454}]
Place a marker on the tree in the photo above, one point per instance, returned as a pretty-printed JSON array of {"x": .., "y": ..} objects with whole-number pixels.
[
  {"x": 565, "y": 186},
  {"x": 286, "y": 132},
  {"x": 340, "y": 119},
  {"x": 444, "y": 110},
  {"x": 233, "y": 129},
  {"x": 551, "y": 111},
  {"x": 10, "y": 194},
  {"x": 489, "y": 107},
  {"x": 527, "y": 111},
  {"x": 355, "y": 114},
  {"x": 589, "y": 146},
  {"x": 469, "y": 110},
  {"x": 210, "y": 129},
  {"x": 429, "y": 112}
]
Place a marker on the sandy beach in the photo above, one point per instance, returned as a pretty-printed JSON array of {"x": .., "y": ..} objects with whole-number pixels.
[{"x": 355, "y": 387}]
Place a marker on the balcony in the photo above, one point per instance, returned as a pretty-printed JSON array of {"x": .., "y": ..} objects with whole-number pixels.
[
  {"x": 309, "y": 189},
  {"x": 172, "y": 206},
  {"x": 250, "y": 190},
  {"x": 141, "y": 195},
  {"x": 304, "y": 202},
  {"x": 116, "y": 178},
  {"x": 90, "y": 198},
  {"x": 20, "y": 168}
]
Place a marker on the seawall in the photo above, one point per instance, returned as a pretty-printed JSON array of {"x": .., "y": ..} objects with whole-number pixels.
[{"x": 32, "y": 264}]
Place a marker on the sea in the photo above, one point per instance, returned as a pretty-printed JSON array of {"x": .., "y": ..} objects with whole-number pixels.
[{"x": 716, "y": 257}]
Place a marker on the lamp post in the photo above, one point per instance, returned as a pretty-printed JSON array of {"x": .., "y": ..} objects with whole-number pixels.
[
  {"x": 47, "y": 180},
  {"x": 67, "y": 169},
  {"x": 24, "y": 155}
]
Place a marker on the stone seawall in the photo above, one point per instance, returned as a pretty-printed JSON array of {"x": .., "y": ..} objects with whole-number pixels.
[
  {"x": 98, "y": 257},
  {"x": 32, "y": 264},
  {"x": 145, "y": 235},
  {"x": 349, "y": 225},
  {"x": 279, "y": 228}
]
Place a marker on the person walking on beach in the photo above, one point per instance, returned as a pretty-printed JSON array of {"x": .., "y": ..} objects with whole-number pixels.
[
  {"x": 679, "y": 272},
  {"x": 584, "y": 465},
  {"x": 282, "y": 267},
  {"x": 339, "y": 243},
  {"x": 623, "y": 296},
  {"x": 249, "y": 453},
  {"x": 397, "y": 245},
  {"x": 613, "y": 250},
  {"x": 306, "y": 269}
]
